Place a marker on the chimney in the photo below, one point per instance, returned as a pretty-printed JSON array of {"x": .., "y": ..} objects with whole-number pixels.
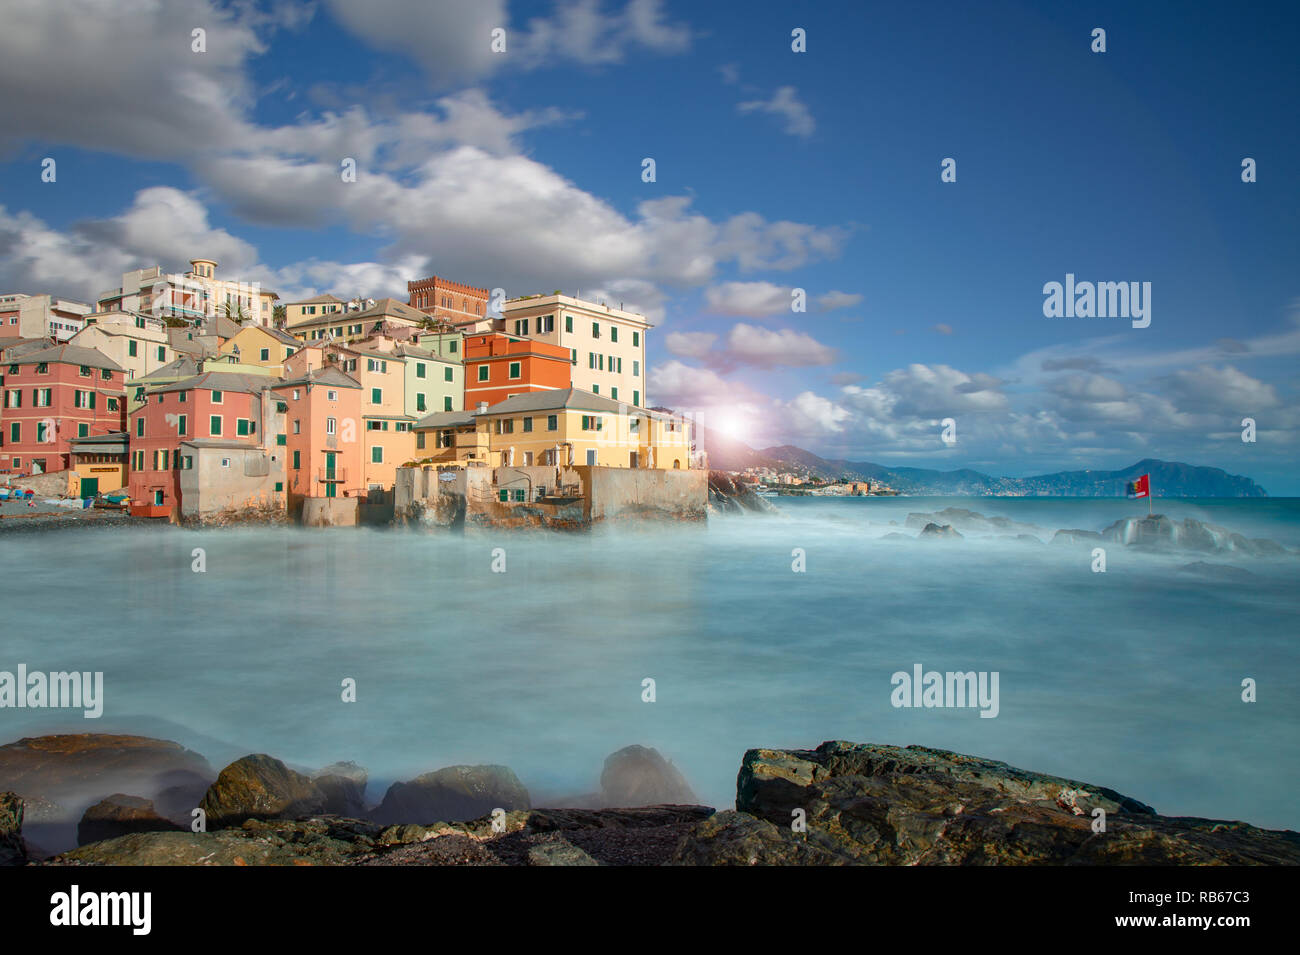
[{"x": 482, "y": 407}]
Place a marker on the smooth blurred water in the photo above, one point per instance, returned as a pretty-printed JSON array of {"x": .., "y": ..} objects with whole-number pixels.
[{"x": 1129, "y": 679}]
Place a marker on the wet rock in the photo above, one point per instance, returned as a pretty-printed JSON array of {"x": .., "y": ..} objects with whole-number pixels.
[
  {"x": 868, "y": 804},
  {"x": 259, "y": 787},
  {"x": 558, "y": 852},
  {"x": 1161, "y": 532},
  {"x": 895, "y": 536},
  {"x": 12, "y": 849},
  {"x": 728, "y": 495},
  {"x": 453, "y": 793},
  {"x": 327, "y": 841},
  {"x": 640, "y": 776},
  {"x": 76, "y": 769},
  {"x": 344, "y": 788},
  {"x": 972, "y": 522},
  {"x": 178, "y": 800},
  {"x": 120, "y": 815},
  {"x": 940, "y": 531}
]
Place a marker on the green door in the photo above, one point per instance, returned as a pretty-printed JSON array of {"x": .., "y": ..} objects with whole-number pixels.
[
  {"x": 331, "y": 489},
  {"x": 89, "y": 487}
]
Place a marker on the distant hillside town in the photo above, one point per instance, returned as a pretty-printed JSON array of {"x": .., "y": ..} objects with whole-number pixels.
[{"x": 186, "y": 396}]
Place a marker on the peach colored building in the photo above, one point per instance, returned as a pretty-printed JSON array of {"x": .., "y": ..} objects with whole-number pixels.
[
  {"x": 498, "y": 367},
  {"x": 323, "y": 431}
]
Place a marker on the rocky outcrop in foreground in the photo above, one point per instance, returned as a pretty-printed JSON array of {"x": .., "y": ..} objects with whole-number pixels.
[
  {"x": 1164, "y": 533},
  {"x": 259, "y": 787},
  {"x": 455, "y": 792},
  {"x": 729, "y": 496},
  {"x": 866, "y": 804},
  {"x": 839, "y": 804}
]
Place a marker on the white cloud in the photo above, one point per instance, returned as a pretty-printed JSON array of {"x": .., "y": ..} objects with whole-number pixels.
[
  {"x": 836, "y": 299},
  {"x": 786, "y": 105},
  {"x": 766, "y": 348},
  {"x": 690, "y": 344},
  {"x": 748, "y": 298}
]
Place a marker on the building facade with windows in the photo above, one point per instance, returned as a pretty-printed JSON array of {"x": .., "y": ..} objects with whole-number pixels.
[
  {"x": 323, "y": 435},
  {"x": 139, "y": 344},
  {"x": 498, "y": 367},
  {"x": 606, "y": 346},
  {"x": 51, "y": 396},
  {"x": 455, "y": 303},
  {"x": 193, "y": 296},
  {"x": 41, "y": 316}
]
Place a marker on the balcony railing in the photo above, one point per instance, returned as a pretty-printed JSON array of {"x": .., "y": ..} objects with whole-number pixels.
[{"x": 333, "y": 475}]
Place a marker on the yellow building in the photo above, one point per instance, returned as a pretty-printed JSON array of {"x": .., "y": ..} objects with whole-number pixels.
[
  {"x": 310, "y": 309},
  {"x": 558, "y": 428},
  {"x": 265, "y": 347}
]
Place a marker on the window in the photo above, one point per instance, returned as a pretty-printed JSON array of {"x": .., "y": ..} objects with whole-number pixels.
[
  {"x": 545, "y": 323},
  {"x": 139, "y": 427},
  {"x": 332, "y": 395},
  {"x": 613, "y": 360},
  {"x": 447, "y": 374},
  {"x": 482, "y": 372},
  {"x": 528, "y": 425},
  {"x": 519, "y": 494},
  {"x": 595, "y": 329},
  {"x": 595, "y": 389},
  {"x": 613, "y": 333},
  {"x": 281, "y": 440},
  {"x": 419, "y": 440},
  {"x": 568, "y": 323},
  {"x": 83, "y": 430},
  {"x": 446, "y": 402},
  {"x": 552, "y": 422},
  {"x": 180, "y": 396},
  {"x": 112, "y": 404},
  {"x": 41, "y": 397},
  {"x": 158, "y": 498},
  {"x": 505, "y": 426},
  {"x": 139, "y": 394},
  {"x": 600, "y": 362},
  {"x": 297, "y": 426},
  {"x": 216, "y": 397},
  {"x": 281, "y": 407},
  {"x": 330, "y": 426},
  {"x": 162, "y": 353},
  {"x": 42, "y": 432},
  {"x": 14, "y": 398},
  {"x": 241, "y": 427},
  {"x": 297, "y": 394},
  {"x": 214, "y": 426},
  {"x": 636, "y": 339},
  {"x": 419, "y": 369},
  {"x": 279, "y": 485},
  {"x": 613, "y": 393},
  {"x": 130, "y": 348},
  {"x": 636, "y": 398},
  {"x": 297, "y": 460},
  {"x": 592, "y": 422},
  {"x": 106, "y": 375},
  {"x": 377, "y": 455},
  {"x": 84, "y": 372},
  {"x": 573, "y": 356},
  {"x": 181, "y": 424},
  {"x": 15, "y": 432},
  {"x": 419, "y": 402},
  {"x": 189, "y": 462},
  {"x": 503, "y": 495},
  {"x": 636, "y": 368},
  {"x": 376, "y": 396},
  {"x": 634, "y": 425},
  {"x": 514, "y": 369},
  {"x": 591, "y": 360}
]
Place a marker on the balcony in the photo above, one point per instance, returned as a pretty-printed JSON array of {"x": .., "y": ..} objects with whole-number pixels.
[{"x": 332, "y": 475}]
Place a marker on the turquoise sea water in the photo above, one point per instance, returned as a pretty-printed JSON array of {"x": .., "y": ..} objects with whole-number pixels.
[{"x": 1129, "y": 679}]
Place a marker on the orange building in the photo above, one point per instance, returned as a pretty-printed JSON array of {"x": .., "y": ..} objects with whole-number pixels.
[{"x": 498, "y": 367}]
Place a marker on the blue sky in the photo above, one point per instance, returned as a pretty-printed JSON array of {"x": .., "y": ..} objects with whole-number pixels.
[{"x": 774, "y": 170}]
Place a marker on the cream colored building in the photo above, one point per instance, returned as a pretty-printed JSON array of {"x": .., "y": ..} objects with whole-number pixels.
[
  {"x": 310, "y": 309},
  {"x": 195, "y": 296},
  {"x": 606, "y": 345},
  {"x": 140, "y": 345}
]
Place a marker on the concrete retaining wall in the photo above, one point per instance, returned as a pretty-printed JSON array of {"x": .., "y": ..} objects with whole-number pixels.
[{"x": 330, "y": 511}]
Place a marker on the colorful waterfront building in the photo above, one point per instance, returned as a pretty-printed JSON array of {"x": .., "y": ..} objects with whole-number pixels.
[
  {"x": 323, "y": 432},
  {"x": 135, "y": 342},
  {"x": 499, "y": 366},
  {"x": 52, "y": 395},
  {"x": 205, "y": 444},
  {"x": 606, "y": 345},
  {"x": 263, "y": 346}
]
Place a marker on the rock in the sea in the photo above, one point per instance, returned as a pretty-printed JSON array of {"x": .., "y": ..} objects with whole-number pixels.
[
  {"x": 259, "y": 787},
  {"x": 940, "y": 531},
  {"x": 972, "y": 522},
  {"x": 868, "y": 804},
  {"x": 344, "y": 788},
  {"x": 12, "y": 849},
  {"x": 77, "y": 769},
  {"x": 120, "y": 815},
  {"x": 728, "y": 495},
  {"x": 452, "y": 794},
  {"x": 640, "y": 776},
  {"x": 1159, "y": 531}
]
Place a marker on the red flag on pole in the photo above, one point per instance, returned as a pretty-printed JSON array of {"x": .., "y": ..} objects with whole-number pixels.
[{"x": 1140, "y": 488}]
